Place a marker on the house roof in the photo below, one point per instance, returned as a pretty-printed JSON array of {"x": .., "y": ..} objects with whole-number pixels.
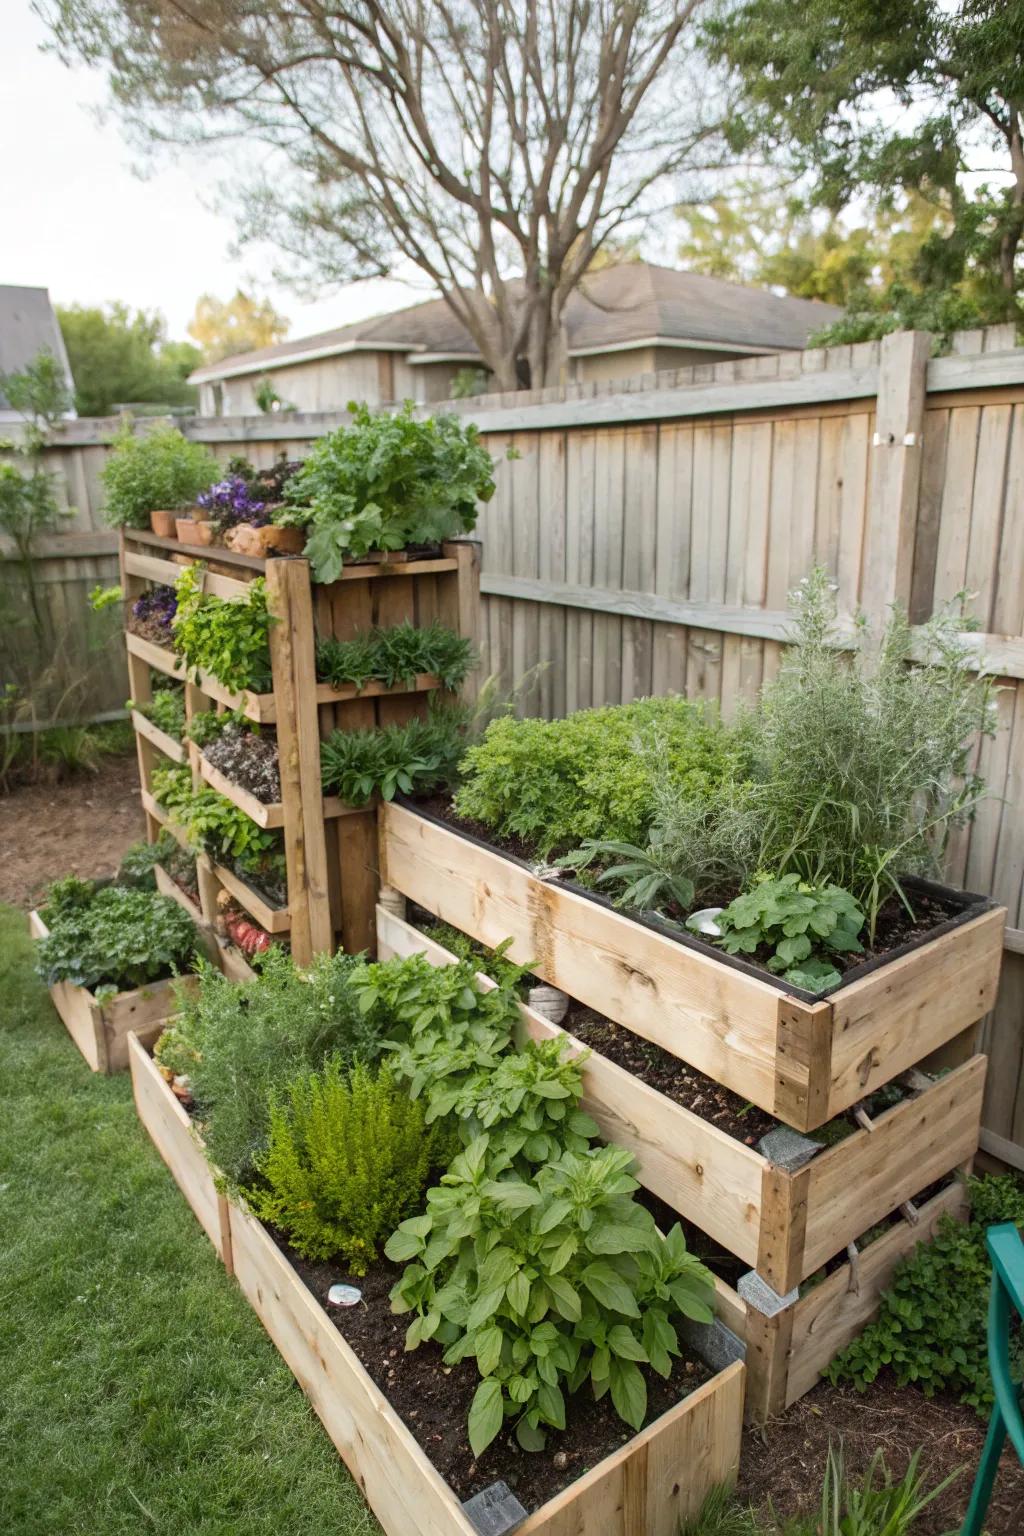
[
  {"x": 615, "y": 309},
  {"x": 28, "y": 326}
]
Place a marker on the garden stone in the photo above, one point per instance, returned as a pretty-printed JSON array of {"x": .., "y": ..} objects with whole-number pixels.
[
  {"x": 495, "y": 1510},
  {"x": 787, "y": 1148},
  {"x": 344, "y": 1295}
]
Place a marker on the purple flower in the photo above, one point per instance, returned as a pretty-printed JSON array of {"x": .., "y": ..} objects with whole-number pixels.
[
  {"x": 160, "y": 604},
  {"x": 231, "y": 502}
]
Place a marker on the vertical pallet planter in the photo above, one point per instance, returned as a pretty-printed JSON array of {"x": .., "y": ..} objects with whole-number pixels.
[
  {"x": 330, "y": 849},
  {"x": 658, "y": 1478}
]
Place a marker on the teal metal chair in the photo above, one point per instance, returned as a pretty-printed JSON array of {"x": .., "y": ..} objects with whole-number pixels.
[{"x": 1007, "y": 1253}]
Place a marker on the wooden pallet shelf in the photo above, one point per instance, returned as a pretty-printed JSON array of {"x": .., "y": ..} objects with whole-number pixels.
[
  {"x": 273, "y": 919},
  {"x": 802, "y": 1061},
  {"x": 657, "y": 1479},
  {"x": 257, "y": 707},
  {"x": 423, "y": 682},
  {"x": 171, "y": 748},
  {"x": 264, "y": 814}
]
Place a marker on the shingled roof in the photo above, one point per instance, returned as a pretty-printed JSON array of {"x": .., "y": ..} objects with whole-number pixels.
[{"x": 635, "y": 304}]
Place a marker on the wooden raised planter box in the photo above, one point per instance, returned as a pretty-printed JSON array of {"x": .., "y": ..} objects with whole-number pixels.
[
  {"x": 799, "y": 1059},
  {"x": 785, "y": 1225},
  {"x": 101, "y": 1030},
  {"x": 659, "y": 1478}
]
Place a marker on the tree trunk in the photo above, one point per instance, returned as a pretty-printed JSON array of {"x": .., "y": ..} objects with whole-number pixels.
[{"x": 1010, "y": 242}]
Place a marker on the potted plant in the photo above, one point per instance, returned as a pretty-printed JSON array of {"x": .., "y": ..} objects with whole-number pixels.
[{"x": 149, "y": 479}]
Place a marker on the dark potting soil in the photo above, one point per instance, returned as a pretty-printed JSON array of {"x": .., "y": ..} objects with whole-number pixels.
[
  {"x": 433, "y": 1399},
  {"x": 248, "y": 760},
  {"x": 152, "y": 629},
  {"x": 273, "y": 892},
  {"x": 895, "y": 927}
]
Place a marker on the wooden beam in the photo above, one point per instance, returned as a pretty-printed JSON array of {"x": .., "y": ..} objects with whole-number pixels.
[{"x": 896, "y": 473}]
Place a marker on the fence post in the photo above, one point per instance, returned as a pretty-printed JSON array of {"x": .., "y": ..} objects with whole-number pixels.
[{"x": 895, "y": 473}]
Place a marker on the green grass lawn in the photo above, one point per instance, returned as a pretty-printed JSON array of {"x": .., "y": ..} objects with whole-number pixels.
[{"x": 138, "y": 1391}]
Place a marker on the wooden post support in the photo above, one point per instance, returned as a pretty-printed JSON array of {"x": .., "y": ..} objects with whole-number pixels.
[
  {"x": 896, "y": 473},
  {"x": 289, "y": 601},
  {"x": 459, "y": 601}
]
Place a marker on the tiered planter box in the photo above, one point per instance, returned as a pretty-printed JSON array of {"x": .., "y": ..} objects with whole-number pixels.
[
  {"x": 802, "y": 1060},
  {"x": 785, "y": 1225},
  {"x": 101, "y": 1030},
  {"x": 330, "y": 848},
  {"x": 658, "y": 1478}
]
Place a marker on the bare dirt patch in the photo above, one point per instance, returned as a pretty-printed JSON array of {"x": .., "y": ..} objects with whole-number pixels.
[{"x": 80, "y": 827}]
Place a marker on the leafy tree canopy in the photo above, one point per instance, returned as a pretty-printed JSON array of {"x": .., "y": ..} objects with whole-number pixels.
[
  {"x": 874, "y": 102},
  {"x": 120, "y": 356},
  {"x": 241, "y": 324}
]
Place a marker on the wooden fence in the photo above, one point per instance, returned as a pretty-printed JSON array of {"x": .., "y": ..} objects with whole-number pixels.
[{"x": 645, "y": 534}]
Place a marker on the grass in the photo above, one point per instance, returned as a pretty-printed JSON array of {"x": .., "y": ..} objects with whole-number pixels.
[{"x": 139, "y": 1394}]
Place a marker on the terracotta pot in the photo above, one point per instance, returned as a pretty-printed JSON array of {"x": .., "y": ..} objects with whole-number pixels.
[
  {"x": 185, "y": 528},
  {"x": 246, "y": 540},
  {"x": 163, "y": 523},
  {"x": 196, "y": 530}
]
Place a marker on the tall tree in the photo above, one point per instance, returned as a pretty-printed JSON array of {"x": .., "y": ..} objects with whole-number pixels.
[
  {"x": 240, "y": 324},
  {"x": 875, "y": 100},
  {"x": 496, "y": 145},
  {"x": 118, "y": 356}
]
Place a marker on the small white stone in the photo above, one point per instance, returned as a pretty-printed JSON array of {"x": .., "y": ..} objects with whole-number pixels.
[{"x": 344, "y": 1295}]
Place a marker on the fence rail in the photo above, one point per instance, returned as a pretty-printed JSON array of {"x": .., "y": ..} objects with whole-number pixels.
[{"x": 646, "y": 533}]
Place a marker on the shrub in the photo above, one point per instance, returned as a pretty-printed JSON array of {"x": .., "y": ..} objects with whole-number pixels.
[
  {"x": 243, "y": 1043},
  {"x": 931, "y": 1326},
  {"x": 553, "y": 783},
  {"x": 161, "y": 471},
  {"x": 417, "y": 756},
  {"x": 115, "y": 939},
  {"x": 348, "y": 1157},
  {"x": 387, "y": 481},
  {"x": 395, "y": 655},
  {"x": 227, "y": 638}
]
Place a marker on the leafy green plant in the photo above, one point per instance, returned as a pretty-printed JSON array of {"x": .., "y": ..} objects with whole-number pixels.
[
  {"x": 348, "y": 1157},
  {"x": 166, "y": 709},
  {"x": 139, "y": 861},
  {"x": 802, "y": 924},
  {"x": 227, "y": 638},
  {"x": 877, "y": 1506},
  {"x": 931, "y": 1326},
  {"x": 555, "y": 783},
  {"x": 214, "y": 824},
  {"x": 116, "y": 940},
  {"x": 416, "y": 756},
  {"x": 243, "y": 1043},
  {"x": 158, "y": 471},
  {"x": 548, "y": 1284},
  {"x": 66, "y": 896},
  {"x": 207, "y": 724},
  {"x": 395, "y": 655},
  {"x": 491, "y": 962},
  {"x": 386, "y": 481}
]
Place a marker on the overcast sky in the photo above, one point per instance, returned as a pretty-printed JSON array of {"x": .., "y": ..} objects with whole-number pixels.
[{"x": 78, "y": 221}]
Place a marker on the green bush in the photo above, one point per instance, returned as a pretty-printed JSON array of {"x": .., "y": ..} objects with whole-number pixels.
[
  {"x": 553, "y": 783},
  {"x": 243, "y": 1043},
  {"x": 160, "y": 471},
  {"x": 348, "y": 1158},
  {"x": 417, "y": 756},
  {"x": 395, "y": 655},
  {"x": 931, "y": 1327},
  {"x": 110, "y": 939},
  {"x": 229, "y": 638},
  {"x": 387, "y": 481}
]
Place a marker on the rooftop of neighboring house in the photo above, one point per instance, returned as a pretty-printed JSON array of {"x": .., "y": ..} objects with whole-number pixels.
[
  {"x": 616, "y": 309},
  {"x": 28, "y": 326}
]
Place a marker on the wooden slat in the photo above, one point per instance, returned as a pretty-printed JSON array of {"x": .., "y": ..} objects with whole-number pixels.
[
  {"x": 273, "y": 919},
  {"x": 423, "y": 682},
  {"x": 258, "y": 707},
  {"x": 166, "y": 573},
  {"x": 264, "y": 815},
  {"x": 159, "y": 739}
]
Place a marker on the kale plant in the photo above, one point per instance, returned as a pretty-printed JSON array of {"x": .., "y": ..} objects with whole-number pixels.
[{"x": 116, "y": 940}]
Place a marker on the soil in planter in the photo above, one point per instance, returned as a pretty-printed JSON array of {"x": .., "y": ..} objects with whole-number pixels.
[
  {"x": 248, "y": 760},
  {"x": 433, "y": 1400},
  {"x": 896, "y": 927},
  {"x": 273, "y": 891}
]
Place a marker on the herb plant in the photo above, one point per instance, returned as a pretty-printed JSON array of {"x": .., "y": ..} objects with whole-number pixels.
[
  {"x": 394, "y": 656},
  {"x": 227, "y": 638},
  {"x": 385, "y": 481},
  {"x": 166, "y": 709},
  {"x": 215, "y": 825},
  {"x": 139, "y": 861},
  {"x": 160, "y": 471},
  {"x": 242, "y": 1043},
  {"x": 416, "y": 756},
  {"x": 115, "y": 940},
  {"x": 348, "y": 1157},
  {"x": 931, "y": 1326},
  {"x": 802, "y": 924},
  {"x": 554, "y": 783}
]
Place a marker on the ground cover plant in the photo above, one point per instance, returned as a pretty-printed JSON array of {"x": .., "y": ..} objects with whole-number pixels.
[
  {"x": 384, "y": 482},
  {"x": 554, "y": 783},
  {"x": 111, "y": 939},
  {"x": 157, "y": 471},
  {"x": 227, "y": 638},
  {"x": 395, "y": 656},
  {"x": 931, "y": 1327},
  {"x": 417, "y": 756},
  {"x": 140, "y": 1391}
]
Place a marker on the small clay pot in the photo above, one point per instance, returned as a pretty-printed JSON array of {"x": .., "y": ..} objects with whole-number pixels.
[
  {"x": 196, "y": 530},
  {"x": 246, "y": 540},
  {"x": 164, "y": 523},
  {"x": 185, "y": 530}
]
